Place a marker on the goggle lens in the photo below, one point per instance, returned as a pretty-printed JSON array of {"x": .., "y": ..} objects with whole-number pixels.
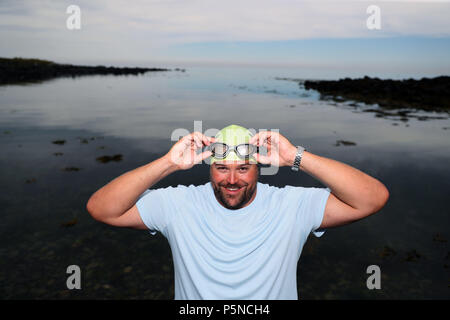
[
  {"x": 243, "y": 149},
  {"x": 221, "y": 150}
]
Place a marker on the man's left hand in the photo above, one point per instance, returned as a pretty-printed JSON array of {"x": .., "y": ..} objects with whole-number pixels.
[{"x": 280, "y": 152}]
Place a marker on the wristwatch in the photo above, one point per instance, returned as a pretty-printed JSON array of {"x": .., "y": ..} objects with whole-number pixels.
[{"x": 298, "y": 158}]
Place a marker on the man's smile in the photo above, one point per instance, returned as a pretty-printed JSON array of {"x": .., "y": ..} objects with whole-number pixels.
[{"x": 232, "y": 190}]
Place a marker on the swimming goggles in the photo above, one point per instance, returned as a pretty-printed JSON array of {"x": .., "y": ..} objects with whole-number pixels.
[{"x": 221, "y": 150}]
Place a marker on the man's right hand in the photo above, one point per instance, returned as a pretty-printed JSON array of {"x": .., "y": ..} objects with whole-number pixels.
[{"x": 183, "y": 155}]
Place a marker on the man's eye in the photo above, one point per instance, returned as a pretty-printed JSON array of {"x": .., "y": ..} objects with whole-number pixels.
[{"x": 243, "y": 168}]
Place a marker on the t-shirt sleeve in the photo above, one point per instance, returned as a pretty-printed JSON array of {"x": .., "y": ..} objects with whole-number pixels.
[
  {"x": 313, "y": 208},
  {"x": 154, "y": 208}
]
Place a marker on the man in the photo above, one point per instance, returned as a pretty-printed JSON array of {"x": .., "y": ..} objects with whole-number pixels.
[{"x": 234, "y": 237}]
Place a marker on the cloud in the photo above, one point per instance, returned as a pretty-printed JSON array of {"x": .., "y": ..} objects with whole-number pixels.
[{"x": 143, "y": 28}]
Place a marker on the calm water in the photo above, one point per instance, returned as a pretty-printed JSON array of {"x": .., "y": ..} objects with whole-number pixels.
[{"x": 44, "y": 187}]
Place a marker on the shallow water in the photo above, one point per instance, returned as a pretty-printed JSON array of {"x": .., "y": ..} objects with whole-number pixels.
[{"x": 44, "y": 188}]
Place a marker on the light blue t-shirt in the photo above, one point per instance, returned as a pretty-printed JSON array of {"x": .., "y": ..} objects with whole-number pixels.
[{"x": 248, "y": 253}]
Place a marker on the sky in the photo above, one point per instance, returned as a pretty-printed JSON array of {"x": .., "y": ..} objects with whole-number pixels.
[{"x": 413, "y": 35}]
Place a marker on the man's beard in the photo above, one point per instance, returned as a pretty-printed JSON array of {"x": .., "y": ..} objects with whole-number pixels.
[{"x": 242, "y": 201}]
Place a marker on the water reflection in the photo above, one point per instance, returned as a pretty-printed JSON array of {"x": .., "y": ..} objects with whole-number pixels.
[{"x": 127, "y": 122}]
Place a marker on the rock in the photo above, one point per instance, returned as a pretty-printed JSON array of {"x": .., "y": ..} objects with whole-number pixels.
[
  {"x": 345, "y": 143},
  {"x": 127, "y": 269},
  {"x": 387, "y": 252},
  {"x": 106, "y": 159},
  {"x": 432, "y": 94},
  {"x": 18, "y": 70},
  {"x": 69, "y": 169},
  {"x": 70, "y": 223},
  {"x": 412, "y": 256},
  {"x": 438, "y": 238}
]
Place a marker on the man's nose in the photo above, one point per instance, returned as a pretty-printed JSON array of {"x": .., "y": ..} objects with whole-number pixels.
[{"x": 232, "y": 177}]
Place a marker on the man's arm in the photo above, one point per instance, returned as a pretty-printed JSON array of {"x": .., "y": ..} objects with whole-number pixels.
[
  {"x": 354, "y": 194},
  {"x": 115, "y": 203}
]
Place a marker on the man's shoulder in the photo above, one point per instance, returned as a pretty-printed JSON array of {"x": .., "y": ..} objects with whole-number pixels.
[
  {"x": 182, "y": 189},
  {"x": 287, "y": 191},
  {"x": 285, "y": 188},
  {"x": 176, "y": 195}
]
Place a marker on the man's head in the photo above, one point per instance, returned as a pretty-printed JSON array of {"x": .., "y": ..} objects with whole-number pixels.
[{"x": 233, "y": 178}]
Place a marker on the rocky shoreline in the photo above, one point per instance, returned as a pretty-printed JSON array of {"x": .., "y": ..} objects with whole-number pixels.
[
  {"x": 19, "y": 70},
  {"x": 430, "y": 94}
]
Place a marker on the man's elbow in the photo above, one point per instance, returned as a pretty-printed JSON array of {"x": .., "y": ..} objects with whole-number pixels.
[
  {"x": 92, "y": 209},
  {"x": 381, "y": 198}
]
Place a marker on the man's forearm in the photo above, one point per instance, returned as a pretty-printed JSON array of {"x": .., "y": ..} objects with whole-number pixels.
[
  {"x": 349, "y": 184},
  {"x": 115, "y": 198}
]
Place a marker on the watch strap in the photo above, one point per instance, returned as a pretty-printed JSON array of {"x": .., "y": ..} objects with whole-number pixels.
[{"x": 298, "y": 158}]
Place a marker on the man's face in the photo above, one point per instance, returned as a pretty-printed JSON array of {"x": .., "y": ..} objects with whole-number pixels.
[{"x": 234, "y": 183}]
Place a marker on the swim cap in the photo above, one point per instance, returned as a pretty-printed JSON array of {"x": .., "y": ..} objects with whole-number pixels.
[{"x": 233, "y": 135}]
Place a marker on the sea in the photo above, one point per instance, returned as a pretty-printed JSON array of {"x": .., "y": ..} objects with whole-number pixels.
[{"x": 63, "y": 139}]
